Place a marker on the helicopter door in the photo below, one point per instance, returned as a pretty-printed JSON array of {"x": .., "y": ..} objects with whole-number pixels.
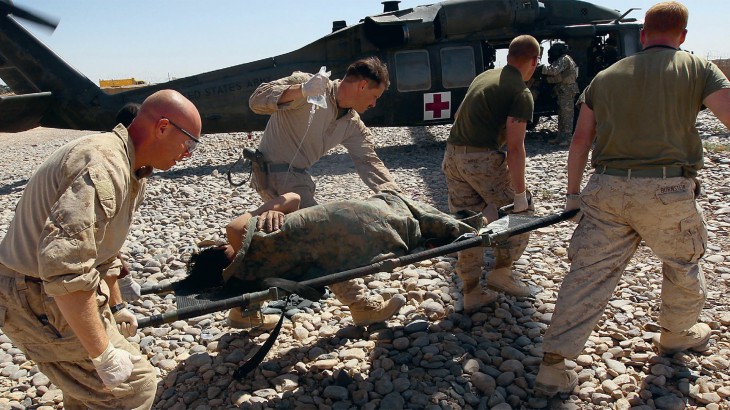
[{"x": 429, "y": 83}]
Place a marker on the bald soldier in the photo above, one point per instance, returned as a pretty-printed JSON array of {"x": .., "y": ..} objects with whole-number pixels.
[
  {"x": 481, "y": 176},
  {"x": 59, "y": 298}
]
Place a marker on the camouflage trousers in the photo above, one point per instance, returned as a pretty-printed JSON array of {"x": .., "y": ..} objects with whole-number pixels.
[
  {"x": 272, "y": 184},
  {"x": 566, "y": 112},
  {"x": 33, "y": 322},
  {"x": 479, "y": 180},
  {"x": 618, "y": 213}
]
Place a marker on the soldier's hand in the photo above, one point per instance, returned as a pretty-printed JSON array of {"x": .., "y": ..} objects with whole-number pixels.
[
  {"x": 126, "y": 322},
  {"x": 129, "y": 288},
  {"x": 270, "y": 221},
  {"x": 572, "y": 201},
  {"x": 317, "y": 85},
  {"x": 114, "y": 366},
  {"x": 520, "y": 203}
]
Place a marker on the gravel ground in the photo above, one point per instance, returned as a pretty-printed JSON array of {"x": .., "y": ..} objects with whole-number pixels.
[{"x": 431, "y": 356}]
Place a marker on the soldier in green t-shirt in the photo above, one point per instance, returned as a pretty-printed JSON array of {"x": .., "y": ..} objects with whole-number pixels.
[
  {"x": 480, "y": 176},
  {"x": 646, "y": 157}
]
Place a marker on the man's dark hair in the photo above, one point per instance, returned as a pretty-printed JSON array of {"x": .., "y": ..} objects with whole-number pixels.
[
  {"x": 369, "y": 68},
  {"x": 205, "y": 269},
  {"x": 127, "y": 113}
]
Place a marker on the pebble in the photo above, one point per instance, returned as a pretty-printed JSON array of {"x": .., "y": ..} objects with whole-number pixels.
[{"x": 431, "y": 355}]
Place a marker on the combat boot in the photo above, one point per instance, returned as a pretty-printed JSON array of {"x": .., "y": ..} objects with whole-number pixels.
[
  {"x": 694, "y": 338},
  {"x": 503, "y": 280},
  {"x": 241, "y": 319},
  {"x": 477, "y": 298},
  {"x": 374, "y": 310},
  {"x": 553, "y": 377}
]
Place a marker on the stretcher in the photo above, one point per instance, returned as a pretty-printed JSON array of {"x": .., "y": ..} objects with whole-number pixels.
[{"x": 190, "y": 305}]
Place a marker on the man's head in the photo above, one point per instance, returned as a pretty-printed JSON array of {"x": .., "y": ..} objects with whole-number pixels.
[
  {"x": 126, "y": 114},
  {"x": 166, "y": 130},
  {"x": 523, "y": 54},
  {"x": 557, "y": 50},
  {"x": 665, "y": 23},
  {"x": 365, "y": 81}
]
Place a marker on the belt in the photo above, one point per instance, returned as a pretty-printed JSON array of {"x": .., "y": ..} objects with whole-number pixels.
[
  {"x": 465, "y": 149},
  {"x": 283, "y": 168},
  {"x": 661, "y": 172}
]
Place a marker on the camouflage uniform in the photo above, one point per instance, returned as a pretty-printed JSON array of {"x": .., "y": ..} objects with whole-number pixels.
[
  {"x": 69, "y": 225},
  {"x": 563, "y": 72},
  {"x": 476, "y": 170},
  {"x": 643, "y": 189},
  {"x": 290, "y": 146},
  {"x": 338, "y": 236}
]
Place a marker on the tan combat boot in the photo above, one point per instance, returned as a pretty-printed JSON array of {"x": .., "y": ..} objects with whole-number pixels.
[
  {"x": 553, "y": 377},
  {"x": 374, "y": 310},
  {"x": 477, "y": 298},
  {"x": 240, "y": 319},
  {"x": 694, "y": 338},
  {"x": 503, "y": 280}
]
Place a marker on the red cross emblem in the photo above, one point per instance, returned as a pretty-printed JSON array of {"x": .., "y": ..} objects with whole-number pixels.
[{"x": 436, "y": 106}]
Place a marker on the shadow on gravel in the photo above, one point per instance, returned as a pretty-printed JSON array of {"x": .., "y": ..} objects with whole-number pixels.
[{"x": 13, "y": 187}]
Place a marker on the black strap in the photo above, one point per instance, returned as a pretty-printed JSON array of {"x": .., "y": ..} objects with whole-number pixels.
[
  {"x": 228, "y": 173},
  {"x": 259, "y": 356}
]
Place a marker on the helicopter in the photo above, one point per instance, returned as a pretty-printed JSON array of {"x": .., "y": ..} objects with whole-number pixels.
[{"x": 433, "y": 52}]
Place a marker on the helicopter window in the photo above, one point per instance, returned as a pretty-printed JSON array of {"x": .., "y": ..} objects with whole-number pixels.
[
  {"x": 457, "y": 66},
  {"x": 413, "y": 70}
]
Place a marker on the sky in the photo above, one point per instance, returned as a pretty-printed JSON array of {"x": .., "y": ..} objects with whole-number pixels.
[{"x": 159, "y": 40}]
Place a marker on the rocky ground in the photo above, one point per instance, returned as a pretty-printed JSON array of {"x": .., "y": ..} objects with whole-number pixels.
[{"x": 431, "y": 356}]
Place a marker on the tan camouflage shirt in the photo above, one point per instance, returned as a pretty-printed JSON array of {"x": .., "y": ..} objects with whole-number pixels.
[{"x": 75, "y": 214}]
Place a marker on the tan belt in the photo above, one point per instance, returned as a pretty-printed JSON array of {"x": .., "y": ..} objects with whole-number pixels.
[
  {"x": 465, "y": 149},
  {"x": 661, "y": 172}
]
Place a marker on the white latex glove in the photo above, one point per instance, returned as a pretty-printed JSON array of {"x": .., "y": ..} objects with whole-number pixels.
[
  {"x": 114, "y": 366},
  {"x": 129, "y": 288},
  {"x": 126, "y": 322},
  {"x": 521, "y": 204},
  {"x": 317, "y": 85},
  {"x": 572, "y": 201}
]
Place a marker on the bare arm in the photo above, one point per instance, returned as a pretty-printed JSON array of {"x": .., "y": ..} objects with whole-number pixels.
[
  {"x": 516, "y": 129},
  {"x": 236, "y": 229},
  {"x": 80, "y": 311},
  {"x": 585, "y": 132},
  {"x": 719, "y": 103}
]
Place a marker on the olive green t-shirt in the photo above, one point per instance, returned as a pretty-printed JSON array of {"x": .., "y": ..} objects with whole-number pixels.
[
  {"x": 493, "y": 96},
  {"x": 646, "y": 107}
]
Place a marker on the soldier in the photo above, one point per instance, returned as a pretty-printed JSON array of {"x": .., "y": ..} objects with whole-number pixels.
[
  {"x": 480, "y": 176},
  {"x": 646, "y": 158},
  {"x": 562, "y": 72},
  {"x": 277, "y": 240},
  {"x": 60, "y": 302},
  {"x": 290, "y": 144}
]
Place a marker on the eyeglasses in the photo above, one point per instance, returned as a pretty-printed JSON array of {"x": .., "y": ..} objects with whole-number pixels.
[{"x": 189, "y": 144}]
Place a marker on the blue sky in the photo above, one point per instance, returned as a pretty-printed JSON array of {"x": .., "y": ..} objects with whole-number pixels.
[{"x": 161, "y": 39}]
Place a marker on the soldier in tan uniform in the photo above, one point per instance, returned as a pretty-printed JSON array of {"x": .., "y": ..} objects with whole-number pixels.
[
  {"x": 646, "y": 158},
  {"x": 481, "y": 177},
  {"x": 563, "y": 72},
  {"x": 59, "y": 298},
  {"x": 290, "y": 146}
]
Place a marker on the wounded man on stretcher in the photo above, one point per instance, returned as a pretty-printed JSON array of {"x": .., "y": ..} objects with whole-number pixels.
[{"x": 282, "y": 241}]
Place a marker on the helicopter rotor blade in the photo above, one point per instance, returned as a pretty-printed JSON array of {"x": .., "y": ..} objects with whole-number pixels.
[{"x": 7, "y": 7}]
